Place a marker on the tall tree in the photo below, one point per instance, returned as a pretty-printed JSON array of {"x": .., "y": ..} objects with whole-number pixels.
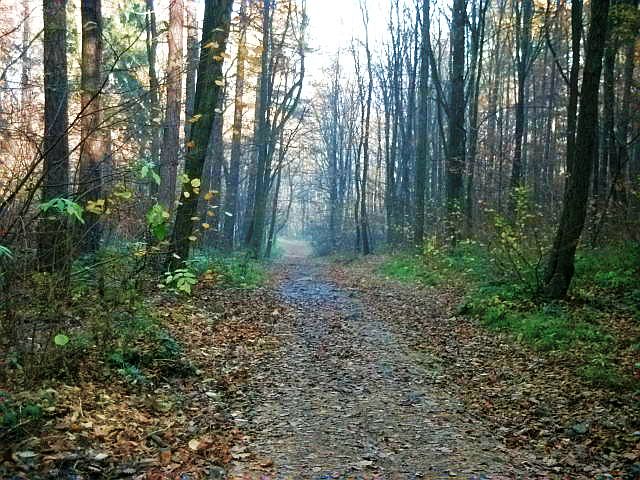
[
  {"x": 579, "y": 163},
  {"x": 92, "y": 149},
  {"x": 456, "y": 141},
  {"x": 215, "y": 30},
  {"x": 231, "y": 210},
  {"x": 193, "y": 49},
  {"x": 476, "y": 67},
  {"x": 366, "y": 126},
  {"x": 423, "y": 126},
  {"x": 524, "y": 20},
  {"x": 53, "y": 244},
  {"x": 262, "y": 133},
  {"x": 170, "y": 155},
  {"x": 154, "y": 85}
]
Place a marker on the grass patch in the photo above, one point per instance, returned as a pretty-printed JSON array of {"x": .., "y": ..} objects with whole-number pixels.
[
  {"x": 606, "y": 287},
  {"x": 231, "y": 270},
  {"x": 410, "y": 269}
]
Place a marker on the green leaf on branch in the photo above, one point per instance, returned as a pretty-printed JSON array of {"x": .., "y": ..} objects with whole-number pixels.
[{"x": 63, "y": 206}]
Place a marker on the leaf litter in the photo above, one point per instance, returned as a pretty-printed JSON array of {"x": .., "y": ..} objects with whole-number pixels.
[{"x": 332, "y": 371}]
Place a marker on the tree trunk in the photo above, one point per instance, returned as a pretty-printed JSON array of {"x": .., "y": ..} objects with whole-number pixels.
[
  {"x": 215, "y": 30},
  {"x": 524, "y": 18},
  {"x": 561, "y": 263},
  {"x": 193, "y": 48},
  {"x": 53, "y": 248},
  {"x": 574, "y": 78},
  {"x": 274, "y": 215},
  {"x": 620, "y": 189},
  {"x": 170, "y": 155},
  {"x": 476, "y": 65},
  {"x": 262, "y": 138},
  {"x": 364, "y": 216},
  {"x": 212, "y": 176},
  {"x": 456, "y": 142},
  {"x": 92, "y": 150},
  {"x": 422, "y": 145},
  {"x": 606, "y": 167},
  {"x": 154, "y": 86},
  {"x": 230, "y": 215}
]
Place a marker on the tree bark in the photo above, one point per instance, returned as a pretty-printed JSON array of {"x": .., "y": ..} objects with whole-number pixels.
[
  {"x": 193, "y": 48},
  {"x": 422, "y": 146},
  {"x": 92, "y": 151},
  {"x": 215, "y": 30},
  {"x": 154, "y": 86},
  {"x": 53, "y": 247},
  {"x": 561, "y": 262},
  {"x": 170, "y": 155},
  {"x": 456, "y": 142},
  {"x": 230, "y": 215}
]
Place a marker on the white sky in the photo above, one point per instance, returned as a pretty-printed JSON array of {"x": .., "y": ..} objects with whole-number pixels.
[{"x": 332, "y": 25}]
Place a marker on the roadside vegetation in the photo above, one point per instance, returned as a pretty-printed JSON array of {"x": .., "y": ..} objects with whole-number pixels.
[{"x": 596, "y": 328}]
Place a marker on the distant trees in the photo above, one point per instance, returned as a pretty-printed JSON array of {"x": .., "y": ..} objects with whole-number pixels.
[
  {"x": 421, "y": 130},
  {"x": 279, "y": 89},
  {"x": 482, "y": 123}
]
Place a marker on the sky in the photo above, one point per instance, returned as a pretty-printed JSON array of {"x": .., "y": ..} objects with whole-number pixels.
[{"x": 332, "y": 25}]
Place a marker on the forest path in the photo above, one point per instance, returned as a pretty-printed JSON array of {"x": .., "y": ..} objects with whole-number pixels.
[{"x": 346, "y": 397}]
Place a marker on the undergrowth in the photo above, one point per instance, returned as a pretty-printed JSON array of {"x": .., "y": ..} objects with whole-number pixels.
[
  {"x": 596, "y": 327},
  {"x": 232, "y": 270},
  {"x": 98, "y": 327}
]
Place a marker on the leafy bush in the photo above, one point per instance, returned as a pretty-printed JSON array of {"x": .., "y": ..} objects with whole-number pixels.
[{"x": 518, "y": 244}]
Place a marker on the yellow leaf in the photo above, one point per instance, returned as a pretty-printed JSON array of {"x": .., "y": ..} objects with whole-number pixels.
[
  {"x": 191, "y": 144},
  {"x": 193, "y": 238},
  {"x": 195, "y": 118},
  {"x": 186, "y": 194},
  {"x": 194, "y": 444},
  {"x": 195, "y": 219},
  {"x": 95, "y": 207},
  {"x": 195, "y": 182},
  {"x": 208, "y": 196},
  {"x": 218, "y": 58},
  {"x": 212, "y": 45},
  {"x": 219, "y": 82},
  {"x": 206, "y": 226},
  {"x": 211, "y": 213}
]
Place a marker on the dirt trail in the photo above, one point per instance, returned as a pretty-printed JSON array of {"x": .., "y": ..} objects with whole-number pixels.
[{"x": 345, "y": 397}]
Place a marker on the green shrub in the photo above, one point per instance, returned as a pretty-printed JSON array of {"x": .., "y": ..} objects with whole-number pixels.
[
  {"x": 17, "y": 415},
  {"x": 232, "y": 270}
]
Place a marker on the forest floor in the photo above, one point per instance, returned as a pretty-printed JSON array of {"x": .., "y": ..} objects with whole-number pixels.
[{"x": 328, "y": 371}]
